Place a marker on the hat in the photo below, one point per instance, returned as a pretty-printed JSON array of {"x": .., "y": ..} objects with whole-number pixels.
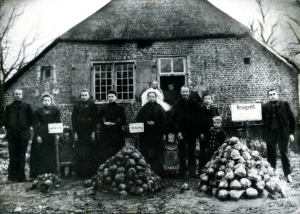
[
  {"x": 111, "y": 92},
  {"x": 47, "y": 95},
  {"x": 206, "y": 94}
]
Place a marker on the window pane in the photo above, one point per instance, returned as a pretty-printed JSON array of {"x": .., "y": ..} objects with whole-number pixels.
[
  {"x": 119, "y": 75},
  {"x": 125, "y": 88},
  {"x": 108, "y": 67},
  {"x": 125, "y": 82},
  {"x": 119, "y": 88},
  {"x": 130, "y": 74},
  {"x": 103, "y": 82},
  {"x": 125, "y": 96},
  {"x": 108, "y": 82},
  {"x": 97, "y": 75},
  {"x": 120, "y": 96},
  {"x": 119, "y": 82},
  {"x": 130, "y": 67},
  {"x": 103, "y": 89},
  {"x": 103, "y": 75},
  {"x": 97, "y": 68},
  {"x": 108, "y": 74},
  {"x": 165, "y": 65},
  {"x": 103, "y": 67},
  {"x": 97, "y": 96},
  {"x": 103, "y": 96},
  {"x": 97, "y": 89},
  {"x": 178, "y": 65},
  {"x": 118, "y": 67},
  {"x": 130, "y": 95},
  {"x": 130, "y": 88},
  {"x": 130, "y": 81},
  {"x": 97, "y": 82},
  {"x": 124, "y": 74}
]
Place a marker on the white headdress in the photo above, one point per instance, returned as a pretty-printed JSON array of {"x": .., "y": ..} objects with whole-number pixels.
[{"x": 159, "y": 98}]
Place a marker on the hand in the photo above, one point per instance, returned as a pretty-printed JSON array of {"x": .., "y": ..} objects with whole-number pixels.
[
  {"x": 75, "y": 136},
  {"x": 39, "y": 139},
  {"x": 57, "y": 137},
  {"x": 202, "y": 136},
  {"x": 164, "y": 138},
  {"x": 292, "y": 138},
  {"x": 93, "y": 136},
  {"x": 151, "y": 123},
  {"x": 180, "y": 137},
  {"x": 109, "y": 123}
]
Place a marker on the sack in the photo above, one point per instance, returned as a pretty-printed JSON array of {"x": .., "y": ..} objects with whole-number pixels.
[{"x": 171, "y": 158}]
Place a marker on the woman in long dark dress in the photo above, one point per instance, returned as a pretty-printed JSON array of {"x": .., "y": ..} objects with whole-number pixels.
[
  {"x": 84, "y": 123},
  {"x": 43, "y": 156},
  {"x": 153, "y": 116}
]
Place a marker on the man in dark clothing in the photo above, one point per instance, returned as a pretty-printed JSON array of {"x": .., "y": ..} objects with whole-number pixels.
[
  {"x": 186, "y": 115},
  {"x": 112, "y": 117},
  {"x": 207, "y": 112},
  {"x": 18, "y": 118},
  {"x": 171, "y": 96},
  {"x": 153, "y": 116},
  {"x": 279, "y": 128}
]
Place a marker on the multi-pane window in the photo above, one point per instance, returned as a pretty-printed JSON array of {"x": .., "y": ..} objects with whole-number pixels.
[
  {"x": 172, "y": 65},
  {"x": 118, "y": 76}
]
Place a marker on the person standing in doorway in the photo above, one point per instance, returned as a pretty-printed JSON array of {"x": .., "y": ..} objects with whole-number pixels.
[
  {"x": 171, "y": 96},
  {"x": 186, "y": 115},
  {"x": 279, "y": 127},
  {"x": 18, "y": 117}
]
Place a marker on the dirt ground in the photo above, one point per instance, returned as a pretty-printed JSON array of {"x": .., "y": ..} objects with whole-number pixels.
[{"x": 74, "y": 197}]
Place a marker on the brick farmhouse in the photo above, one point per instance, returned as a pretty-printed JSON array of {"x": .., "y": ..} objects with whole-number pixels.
[{"x": 128, "y": 43}]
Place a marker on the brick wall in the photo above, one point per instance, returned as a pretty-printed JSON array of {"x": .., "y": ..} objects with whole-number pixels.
[{"x": 216, "y": 65}]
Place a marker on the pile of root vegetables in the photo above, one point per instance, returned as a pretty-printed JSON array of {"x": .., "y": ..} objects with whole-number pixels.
[
  {"x": 45, "y": 182},
  {"x": 127, "y": 172},
  {"x": 235, "y": 171}
]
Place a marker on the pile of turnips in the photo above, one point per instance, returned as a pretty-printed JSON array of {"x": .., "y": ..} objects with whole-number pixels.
[
  {"x": 235, "y": 171},
  {"x": 46, "y": 182},
  {"x": 126, "y": 172}
]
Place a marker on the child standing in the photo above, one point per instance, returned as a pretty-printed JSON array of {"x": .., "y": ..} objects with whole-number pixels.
[
  {"x": 215, "y": 139},
  {"x": 207, "y": 112}
]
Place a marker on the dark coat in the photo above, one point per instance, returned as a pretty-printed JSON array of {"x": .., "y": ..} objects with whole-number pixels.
[
  {"x": 43, "y": 155},
  {"x": 84, "y": 117},
  {"x": 195, "y": 96},
  {"x": 171, "y": 97},
  {"x": 216, "y": 138},
  {"x": 286, "y": 118},
  {"x": 111, "y": 137},
  {"x": 17, "y": 120},
  {"x": 206, "y": 118},
  {"x": 186, "y": 118}
]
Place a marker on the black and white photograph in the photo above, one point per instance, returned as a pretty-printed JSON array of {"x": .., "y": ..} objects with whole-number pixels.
[{"x": 150, "y": 106}]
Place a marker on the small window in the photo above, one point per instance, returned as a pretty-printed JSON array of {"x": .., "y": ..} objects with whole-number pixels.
[
  {"x": 172, "y": 65},
  {"x": 46, "y": 73},
  {"x": 246, "y": 60}
]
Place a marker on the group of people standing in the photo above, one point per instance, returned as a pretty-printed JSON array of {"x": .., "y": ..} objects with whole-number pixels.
[{"x": 185, "y": 118}]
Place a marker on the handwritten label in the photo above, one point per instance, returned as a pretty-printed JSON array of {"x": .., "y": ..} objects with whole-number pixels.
[
  {"x": 136, "y": 127},
  {"x": 55, "y": 128},
  {"x": 246, "y": 112}
]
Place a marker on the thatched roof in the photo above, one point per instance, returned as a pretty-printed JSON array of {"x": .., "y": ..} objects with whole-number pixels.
[{"x": 155, "y": 19}]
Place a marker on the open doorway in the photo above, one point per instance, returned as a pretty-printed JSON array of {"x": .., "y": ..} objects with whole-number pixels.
[{"x": 178, "y": 82}]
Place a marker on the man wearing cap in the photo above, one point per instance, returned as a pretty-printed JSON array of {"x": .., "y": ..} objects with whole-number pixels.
[
  {"x": 84, "y": 123},
  {"x": 18, "y": 118},
  {"x": 112, "y": 117},
  {"x": 185, "y": 114},
  {"x": 279, "y": 127}
]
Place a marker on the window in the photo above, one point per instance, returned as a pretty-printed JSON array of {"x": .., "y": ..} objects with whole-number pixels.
[
  {"x": 118, "y": 76},
  {"x": 46, "y": 73},
  {"x": 172, "y": 65},
  {"x": 246, "y": 60}
]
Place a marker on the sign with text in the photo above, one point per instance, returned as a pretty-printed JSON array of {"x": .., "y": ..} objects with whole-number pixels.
[
  {"x": 55, "y": 128},
  {"x": 136, "y": 127},
  {"x": 246, "y": 112}
]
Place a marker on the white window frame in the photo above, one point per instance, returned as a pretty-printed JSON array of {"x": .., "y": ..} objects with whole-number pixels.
[
  {"x": 114, "y": 79},
  {"x": 171, "y": 73}
]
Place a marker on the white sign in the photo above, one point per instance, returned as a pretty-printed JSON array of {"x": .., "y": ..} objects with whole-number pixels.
[
  {"x": 136, "y": 127},
  {"x": 55, "y": 128},
  {"x": 246, "y": 112}
]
